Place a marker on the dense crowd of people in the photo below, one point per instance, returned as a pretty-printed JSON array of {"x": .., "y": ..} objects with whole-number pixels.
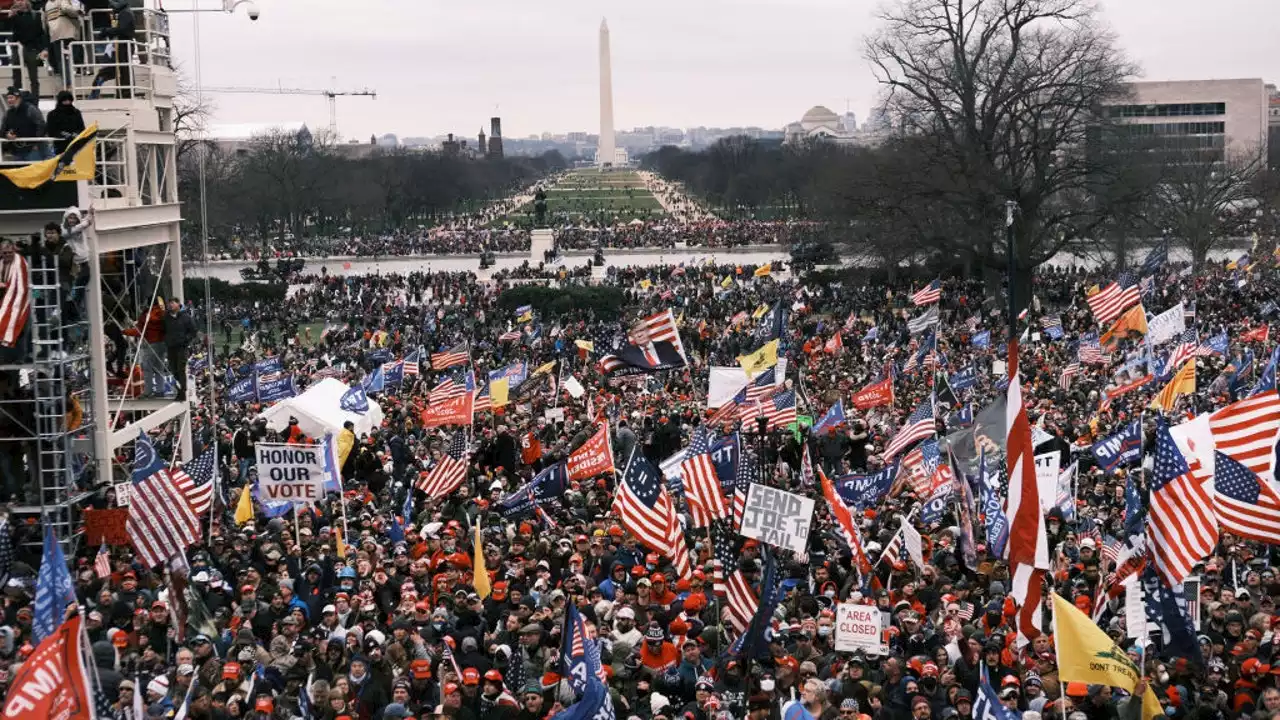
[
  {"x": 708, "y": 233},
  {"x": 387, "y": 623}
]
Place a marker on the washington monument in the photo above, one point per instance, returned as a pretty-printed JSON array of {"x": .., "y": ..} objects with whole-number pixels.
[{"x": 605, "y": 149}]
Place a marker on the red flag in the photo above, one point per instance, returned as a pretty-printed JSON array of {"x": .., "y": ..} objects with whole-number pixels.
[
  {"x": 844, "y": 518},
  {"x": 874, "y": 395},
  {"x": 52, "y": 682},
  {"x": 530, "y": 449},
  {"x": 593, "y": 457},
  {"x": 457, "y": 410},
  {"x": 834, "y": 345},
  {"x": 1028, "y": 545},
  {"x": 1258, "y": 334}
]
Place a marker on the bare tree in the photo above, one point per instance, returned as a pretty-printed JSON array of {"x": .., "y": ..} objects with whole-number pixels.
[
  {"x": 1003, "y": 94},
  {"x": 191, "y": 115},
  {"x": 1204, "y": 199}
]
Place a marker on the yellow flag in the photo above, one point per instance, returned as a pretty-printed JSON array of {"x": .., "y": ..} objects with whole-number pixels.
[
  {"x": 727, "y": 282},
  {"x": 645, "y": 284},
  {"x": 346, "y": 443},
  {"x": 764, "y": 269},
  {"x": 545, "y": 368},
  {"x": 1086, "y": 654},
  {"x": 342, "y": 546},
  {"x": 760, "y": 311},
  {"x": 585, "y": 345},
  {"x": 526, "y": 317},
  {"x": 1134, "y": 320},
  {"x": 244, "y": 508},
  {"x": 1183, "y": 383},
  {"x": 480, "y": 574},
  {"x": 762, "y": 359},
  {"x": 499, "y": 391},
  {"x": 74, "y": 163}
]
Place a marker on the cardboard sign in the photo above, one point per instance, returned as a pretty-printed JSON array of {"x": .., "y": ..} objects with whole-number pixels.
[
  {"x": 290, "y": 473},
  {"x": 777, "y": 517},
  {"x": 594, "y": 457},
  {"x": 106, "y": 526},
  {"x": 122, "y": 493},
  {"x": 858, "y": 628}
]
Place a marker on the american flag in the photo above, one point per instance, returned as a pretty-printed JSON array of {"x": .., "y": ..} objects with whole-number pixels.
[
  {"x": 161, "y": 524},
  {"x": 1028, "y": 548},
  {"x": 1246, "y": 505},
  {"x": 1181, "y": 528},
  {"x": 1068, "y": 372},
  {"x": 449, "y": 473},
  {"x": 928, "y": 294},
  {"x": 1052, "y": 325},
  {"x": 1110, "y": 552},
  {"x": 457, "y": 355},
  {"x": 742, "y": 485},
  {"x": 919, "y": 426},
  {"x": 102, "y": 563},
  {"x": 1109, "y": 302},
  {"x": 451, "y": 387},
  {"x": 724, "y": 556},
  {"x": 701, "y": 484},
  {"x": 646, "y": 511},
  {"x": 446, "y": 655},
  {"x": 195, "y": 480},
  {"x": 728, "y": 581},
  {"x": 509, "y": 336},
  {"x": 760, "y": 387},
  {"x": 15, "y": 304},
  {"x": 413, "y": 363},
  {"x": 919, "y": 465},
  {"x": 1187, "y": 348},
  {"x": 660, "y": 327},
  {"x": 1090, "y": 351},
  {"x": 482, "y": 399},
  {"x": 1147, "y": 285},
  {"x": 780, "y": 409},
  {"x": 1246, "y": 431}
]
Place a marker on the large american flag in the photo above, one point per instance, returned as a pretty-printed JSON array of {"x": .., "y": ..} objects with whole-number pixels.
[
  {"x": 919, "y": 425},
  {"x": 701, "y": 484},
  {"x": 646, "y": 511},
  {"x": 760, "y": 387},
  {"x": 1246, "y": 431},
  {"x": 1068, "y": 372},
  {"x": 1109, "y": 302},
  {"x": 1187, "y": 347},
  {"x": 195, "y": 480},
  {"x": 728, "y": 581},
  {"x": 161, "y": 524},
  {"x": 1246, "y": 505},
  {"x": 1028, "y": 548},
  {"x": 449, "y": 473},
  {"x": 483, "y": 401},
  {"x": 928, "y": 294},
  {"x": 780, "y": 409},
  {"x": 1181, "y": 528},
  {"x": 919, "y": 466},
  {"x": 457, "y": 355},
  {"x": 451, "y": 387},
  {"x": 15, "y": 304},
  {"x": 1090, "y": 351}
]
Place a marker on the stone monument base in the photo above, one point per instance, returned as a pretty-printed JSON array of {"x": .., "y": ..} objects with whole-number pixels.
[{"x": 543, "y": 240}]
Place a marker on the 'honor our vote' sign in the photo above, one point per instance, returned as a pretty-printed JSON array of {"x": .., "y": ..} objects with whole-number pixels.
[
  {"x": 290, "y": 473},
  {"x": 777, "y": 517}
]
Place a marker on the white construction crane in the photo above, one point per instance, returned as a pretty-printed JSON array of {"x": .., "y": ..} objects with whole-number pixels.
[{"x": 332, "y": 95}]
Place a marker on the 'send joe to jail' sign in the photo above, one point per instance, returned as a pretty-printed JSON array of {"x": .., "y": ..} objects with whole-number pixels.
[{"x": 777, "y": 517}]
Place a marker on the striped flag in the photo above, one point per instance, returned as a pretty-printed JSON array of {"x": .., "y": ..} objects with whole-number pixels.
[
  {"x": 1245, "y": 504},
  {"x": 451, "y": 387},
  {"x": 1090, "y": 351},
  {"x": 760, "y": 387},
  {"x": 659, "y": 327},
  {"x": 1188, "y": 347},
  {"x": 102, "y": 563},
  {"x": 483, "y": 401},
  {"x": 780, "y": 410},
  {"x": 457, "y": 355},
  {"x": 413, "y": 363},
  {"x": 701, "y": 484},
  {"x": 450, "y": 471},
  {"x": 1181, "y": 528},
  {"x": 1183, "y": 383},
  {"x": 509, "y": 336},
  {"x": 928, "y": 294},
  {"x": 1109, "y": 302},
  {"x": 728, "y": 582},
  {"x": 15, "y": 303},
  {"x": 160, "y": 524},
  {"x": 195, "y": 480},
  {"x": 919, "y": 466},
  {"x": 1246, "y": 431},
  {"x": 1068, "y": 372},
  {"x": 919, "y": 425},
  {"x": 646, "y": 511},
  {"x": 741, "y": 485},
  {"x": 1028, "y": 545}
]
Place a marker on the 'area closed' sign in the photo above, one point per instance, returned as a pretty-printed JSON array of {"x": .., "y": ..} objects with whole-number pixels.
[{"x": 858, "y": 628}]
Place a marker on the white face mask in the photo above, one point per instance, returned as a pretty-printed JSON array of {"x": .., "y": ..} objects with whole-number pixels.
[{"x": 766, "y": 684}]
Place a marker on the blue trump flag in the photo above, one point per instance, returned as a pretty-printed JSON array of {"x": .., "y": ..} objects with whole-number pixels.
[
  {"x": 981, "y": 340},
  {"x": 997, "y": 524},
  {"x": 573, "y": 651},
  {"x": 355, "y": 400},
  {"x": 547, "y": 485},
  {"x": 277, "y": 389},
  {"x": 864, "y": 491},
  {"x": 394, "y": 373},
  {"x": 964, "y": 379},
  {"x": 833, "y": 418},
  {"x": 374, "y": 382},
  {"x": 245, "y": 390},
  {"x": 54, "y": 588},
  {"x": 1120, "y": 449},
  {"x": 1267, "y": 380}
]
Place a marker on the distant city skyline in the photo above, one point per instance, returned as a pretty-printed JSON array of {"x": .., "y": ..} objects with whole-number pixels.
[{"x": 758, "y": 63}]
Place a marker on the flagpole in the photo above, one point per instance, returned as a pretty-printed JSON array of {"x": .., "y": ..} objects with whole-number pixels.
[{"x": 1010, "y": 207}]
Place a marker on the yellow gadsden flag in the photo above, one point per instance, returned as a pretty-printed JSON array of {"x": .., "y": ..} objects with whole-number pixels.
[
  {"x": 499, "y": 391},
  {"x": 1183, "y": 383},
  {"x": 762, "y": 359},
  {"x": 244, "y": 508},
  {"x": 480, "y": 574},
  {"x": 1086, "y": 654},
  {"x": 74, "y": 163}
]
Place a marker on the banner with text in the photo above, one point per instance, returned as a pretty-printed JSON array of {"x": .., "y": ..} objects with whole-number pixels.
[
  {"x": 52, "y": 682},
  {"x": 594, "y": 457},
  {"x": 858, "y": 628},
  {"x": 290, "y": 473},
  {"x": 777, "y": 517}
]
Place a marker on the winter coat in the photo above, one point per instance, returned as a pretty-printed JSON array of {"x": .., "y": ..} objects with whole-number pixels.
[
  {"x": 63, "y": 19},
  {"x": 104, "y": 656}
]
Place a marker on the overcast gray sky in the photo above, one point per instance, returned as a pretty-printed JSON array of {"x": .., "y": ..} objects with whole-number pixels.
[{"x": 447, "y": 66}]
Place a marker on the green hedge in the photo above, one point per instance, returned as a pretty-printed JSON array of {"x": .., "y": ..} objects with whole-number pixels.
[
  {"x": 223, "y": 291},
  {"x": 553, "y": 302}
]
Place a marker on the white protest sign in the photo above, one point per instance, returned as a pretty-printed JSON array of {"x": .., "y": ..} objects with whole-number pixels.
[
  {"x": 290, "y": 473},
  {"x": 1167, "y": 325},
  {"x": 574, "y": 387},
  {"x": 122, "y": 493},
  {"x": 914, "y": 543},
  {"x": 999, "y": 368},
  {"x": 1047, "y": 478},
  {"x": 777, "y": 517},
  {"x": 858, "y": 628},
  {"x": 554, "y": 414}
]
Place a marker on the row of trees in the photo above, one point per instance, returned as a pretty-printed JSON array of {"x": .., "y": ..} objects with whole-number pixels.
[
  {"x": 285, "y": 182},
  {"x": 994, "y": 105}
]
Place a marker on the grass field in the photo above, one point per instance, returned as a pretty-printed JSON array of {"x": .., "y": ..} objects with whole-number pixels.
[
  {"x": 619, "y": 195},
  {"x": 317, "y": 327}
]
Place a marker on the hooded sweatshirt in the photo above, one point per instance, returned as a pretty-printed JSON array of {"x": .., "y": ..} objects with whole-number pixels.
[{"x": 105, "y": 657}]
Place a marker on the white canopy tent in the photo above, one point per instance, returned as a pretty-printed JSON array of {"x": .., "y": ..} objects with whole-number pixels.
[{"x": 319, "y": 411}]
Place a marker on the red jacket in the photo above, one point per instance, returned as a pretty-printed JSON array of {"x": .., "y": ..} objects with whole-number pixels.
[{"x": 154, "y": 323}]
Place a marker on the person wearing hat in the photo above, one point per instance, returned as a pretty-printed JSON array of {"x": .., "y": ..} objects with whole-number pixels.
[
  {"x": 656, "y": 653},
  {"x": 158, "y": 693},
  {"x": 495, "y": 701},
  {"x": 759, "y": 706},
  {"x": 531, "y": 703},
  {"x": 365, "y": 693},
  {"x": 452, "y": 705}
]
